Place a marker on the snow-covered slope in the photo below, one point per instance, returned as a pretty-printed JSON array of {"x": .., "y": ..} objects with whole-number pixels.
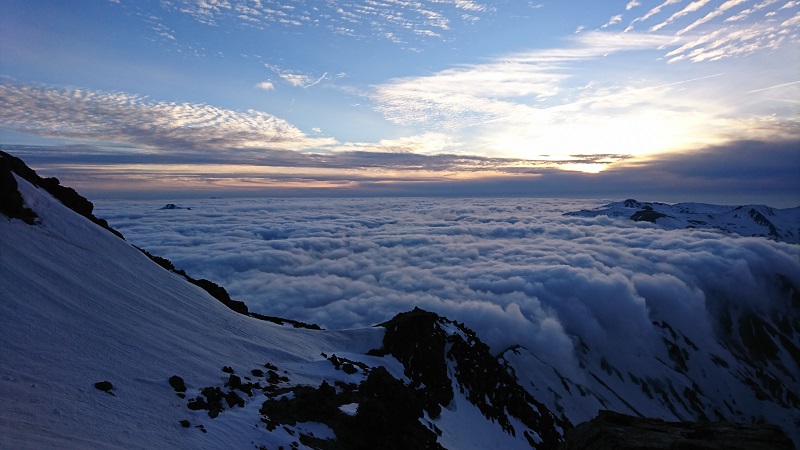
[
  {"x": 749, "y": 220},
  {"x": 80, "y": 306}
]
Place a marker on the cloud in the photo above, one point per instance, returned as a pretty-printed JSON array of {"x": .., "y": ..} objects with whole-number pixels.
[
  {"x": 396, "y": 21},
  {"x": 652, "y": 12},
  {"x": 746, "y": 33},
  {"x": 530, "y": 104},
  {"x": 708, "y": 17},
  {"x": 515, "y": 270},
  {"x": 125, "y": 118},
  {"x": 733, "y": 173},
  {"x": 690, "y": 8},
  {"x": 266, "y": 85},
  {"x": 612, "y": 21},
  {"x": 472, "y": 94},
  {"x": 300, "y": 80}
]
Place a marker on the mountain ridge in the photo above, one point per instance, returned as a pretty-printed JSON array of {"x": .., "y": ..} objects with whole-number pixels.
[{"x": 746, "y": 220}]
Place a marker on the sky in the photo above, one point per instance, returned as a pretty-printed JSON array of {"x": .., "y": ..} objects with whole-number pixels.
[{"x": 673, "y": 100}]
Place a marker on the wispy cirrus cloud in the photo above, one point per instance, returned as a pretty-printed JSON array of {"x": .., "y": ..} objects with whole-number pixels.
[
  {"x": 394, "y": 20},
  {"x": 713, "y": 14},
  {"x": 728, "y": 30},
  {"x": 690, "y": 8},
  {"x": 531, "y": 104},
  {"x": 473, "y": 94}
]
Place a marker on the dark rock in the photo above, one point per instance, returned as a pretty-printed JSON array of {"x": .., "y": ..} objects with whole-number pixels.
[
  {"x": 177, "y": 383},
  {"x": 197, "y": 404},
  {"x": 233, "y": 399},
  {"x": 11, "y": 202},
  {"x": 227, "y": 369},
  {"x": 220, "y": 294},
  {"x": 104, "y": 386},
  {"x": 611, "y": 430},
  {"x": 67, "y": 196},
  {"x": 185, "y": 423},
  {"x": 257, "y": 372},
  {"x": 174, "y": 206},
  {"x": 647, "y": 214},
  {"x": 417, "y": 339},
  {"x": 349, "y": 368},
  {"x": 282, "y": 321},
  {"x": 387, "y": 418},
  {"x": 234, "y": 382}
]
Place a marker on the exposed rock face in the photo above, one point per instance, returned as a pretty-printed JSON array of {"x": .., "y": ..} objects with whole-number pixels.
[
  {"x": 647, "y": 214},
  {"x": 68, "y": 196},
  {"x": 616, "y": 431},
  {"x": 11, "y": 203},
  {"x": 439, "y": 354}
]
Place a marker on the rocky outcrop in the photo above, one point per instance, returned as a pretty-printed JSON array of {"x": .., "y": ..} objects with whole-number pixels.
[
  {"x": 11, "y": 203},
  {"x": 68, "y": 196},
  {"x": 616, "y": 431},
  {"x": 173, "y": 206},
  {"x": 439, "y": 354},
  {"x": 647, "y": 214}
]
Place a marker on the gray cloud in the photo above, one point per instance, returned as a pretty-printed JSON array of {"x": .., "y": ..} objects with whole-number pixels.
[{"x": 736, "y": 173}]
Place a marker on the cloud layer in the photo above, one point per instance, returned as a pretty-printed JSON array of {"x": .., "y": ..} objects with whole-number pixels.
[{"x": 515, "y": 270}]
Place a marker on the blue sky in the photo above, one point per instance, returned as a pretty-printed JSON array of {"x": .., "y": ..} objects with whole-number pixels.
[{"x": 436, "y": 97}]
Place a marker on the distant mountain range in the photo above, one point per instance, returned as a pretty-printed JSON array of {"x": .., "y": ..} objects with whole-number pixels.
[
  {"x": 104, "y": 345},
  {"x": 748, "y": 220}
]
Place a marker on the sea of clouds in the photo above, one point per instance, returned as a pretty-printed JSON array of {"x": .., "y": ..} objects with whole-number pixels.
[{"x": 516, "y": 270}]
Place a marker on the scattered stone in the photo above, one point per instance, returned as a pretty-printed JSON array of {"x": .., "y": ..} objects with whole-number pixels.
[
  {"x": 257, "y": 372},
  {"x": 104, "y": 386},
  {"x": 185, "y": 423},
  {"x": 177, "y": 383},
  {"x": 227, "y": 369},
  {"x": 234, "y": 382}
]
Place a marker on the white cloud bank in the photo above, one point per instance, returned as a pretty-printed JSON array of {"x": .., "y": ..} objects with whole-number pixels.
[{"x": 516, "y": 271}]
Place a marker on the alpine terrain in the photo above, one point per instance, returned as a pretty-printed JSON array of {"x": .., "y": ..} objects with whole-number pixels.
[{"x": 106, "y": 346}]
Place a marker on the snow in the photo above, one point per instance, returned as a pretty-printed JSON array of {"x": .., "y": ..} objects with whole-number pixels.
[
  {"x": 350, "y": 409},
  {"x": 81, "y": 306},
  {"x": 744, "y": 220},
  {"x": 465, "y": 427}
]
